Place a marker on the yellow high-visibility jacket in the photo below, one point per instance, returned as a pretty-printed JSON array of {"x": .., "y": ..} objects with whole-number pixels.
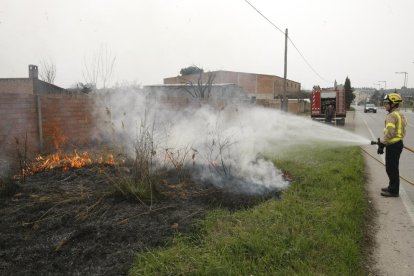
[{"x": 395, "y": 124}]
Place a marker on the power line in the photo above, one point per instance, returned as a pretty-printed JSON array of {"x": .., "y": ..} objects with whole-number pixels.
[
  {"x": 264, "y": 17},
  {"x": 306, "y": 61},
  {"x": 293, "y": 44}
]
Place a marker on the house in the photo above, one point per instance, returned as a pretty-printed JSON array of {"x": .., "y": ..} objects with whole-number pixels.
[
  {"x": 31, "y": 85},
  {"x": 258, "y": 86}
]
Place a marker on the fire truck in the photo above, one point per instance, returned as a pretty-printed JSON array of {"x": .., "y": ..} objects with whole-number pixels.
[{"x": 322, "y": 98}]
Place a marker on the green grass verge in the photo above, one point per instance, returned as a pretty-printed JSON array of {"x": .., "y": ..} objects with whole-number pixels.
[{"x": 316, "y": 229}]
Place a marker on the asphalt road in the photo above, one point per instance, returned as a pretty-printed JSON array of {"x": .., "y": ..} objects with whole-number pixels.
[{"x": 394, "y": 236}]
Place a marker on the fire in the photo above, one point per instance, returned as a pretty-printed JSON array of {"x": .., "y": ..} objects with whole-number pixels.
[
  {"x": 109, "y": 160},
  {"x": 67, "y": 161},
  {"x": 58, "y": 160}
]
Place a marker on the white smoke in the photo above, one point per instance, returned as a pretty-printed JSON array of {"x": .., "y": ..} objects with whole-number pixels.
[{"x": 229, "y": 144}]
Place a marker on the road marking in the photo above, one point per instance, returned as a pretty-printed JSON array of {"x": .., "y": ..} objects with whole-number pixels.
[
  {"x": 369, "y": 129},
  {"x": 408, "y": 204}
]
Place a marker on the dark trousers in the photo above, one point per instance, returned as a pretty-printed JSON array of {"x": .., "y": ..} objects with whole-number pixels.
[{"x": 392, "y": 162}]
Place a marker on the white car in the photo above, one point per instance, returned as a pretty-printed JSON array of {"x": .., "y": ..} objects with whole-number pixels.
[{"x": 370, "y": 108}]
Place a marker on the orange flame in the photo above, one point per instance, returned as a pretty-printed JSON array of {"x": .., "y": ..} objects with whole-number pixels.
[{"x": 58, "y": 160}]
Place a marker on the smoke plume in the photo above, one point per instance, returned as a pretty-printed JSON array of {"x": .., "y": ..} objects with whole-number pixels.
[{"x": 225, "y": 147}]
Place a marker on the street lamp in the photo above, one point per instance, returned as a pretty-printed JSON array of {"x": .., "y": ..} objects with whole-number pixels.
[
  {"x": 405, "y": 78},
  {"x": 385, "y": 84},
  {"x": 377, "y": 97}
]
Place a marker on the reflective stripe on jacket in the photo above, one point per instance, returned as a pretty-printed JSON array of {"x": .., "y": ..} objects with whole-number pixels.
[{"x": 394, "y": 130}]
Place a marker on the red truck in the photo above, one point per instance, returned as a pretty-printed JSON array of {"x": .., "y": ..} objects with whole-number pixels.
[{"x": 322, "y": 98}]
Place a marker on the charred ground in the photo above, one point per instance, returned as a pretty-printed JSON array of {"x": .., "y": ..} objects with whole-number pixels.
[{"x": 73, "y": 221}]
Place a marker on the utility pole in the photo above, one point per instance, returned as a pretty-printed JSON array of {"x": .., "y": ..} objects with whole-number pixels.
[
  {"x": 405, "y": 78},
  {"x": 385, "y": 82},
  {"x": 285, "y": 100}
]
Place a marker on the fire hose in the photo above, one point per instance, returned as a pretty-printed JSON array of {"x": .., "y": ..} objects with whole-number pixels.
[
  {"x": 379, "y": 142},
  {"x": 376, "y": 143}
]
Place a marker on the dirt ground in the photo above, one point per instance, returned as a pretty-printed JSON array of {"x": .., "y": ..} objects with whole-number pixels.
[{"x": 70, "y": 222}]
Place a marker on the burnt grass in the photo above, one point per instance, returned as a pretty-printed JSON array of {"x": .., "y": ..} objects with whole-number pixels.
[{"x": 73, "y": 222}]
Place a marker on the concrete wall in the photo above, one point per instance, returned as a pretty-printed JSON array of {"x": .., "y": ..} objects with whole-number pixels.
[
  {"x": 178, "y": 96},
  {"x": 20, "y": 86},
  {"x": 29, "y": 86},
  {"x": 42, "y": 87},
  {"x": 295, "y": 106}
]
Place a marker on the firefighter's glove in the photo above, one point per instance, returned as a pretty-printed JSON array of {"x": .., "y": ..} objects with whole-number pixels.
[{"x": 381, "y": 147}]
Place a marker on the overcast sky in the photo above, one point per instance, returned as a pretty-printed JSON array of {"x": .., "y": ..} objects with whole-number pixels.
[{"x": 366, "y": 40}]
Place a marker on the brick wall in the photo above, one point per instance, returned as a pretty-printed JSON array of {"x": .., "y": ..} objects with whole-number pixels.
[
  {"x": 68, "y": 120},
  {"x": 65, "y": 120},
  {"x": 18, "y": 119}
]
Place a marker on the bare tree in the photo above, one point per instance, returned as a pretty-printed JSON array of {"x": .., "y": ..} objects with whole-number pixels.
[
  {"x": 99, "y": 70},
  {"x": 47, "y": 71},
  {"x": 218, "y": 152},
  {"x": 200, "y": 89},
  {"x": 91, "y": 70},
  {"x": 107, "y": 66}
]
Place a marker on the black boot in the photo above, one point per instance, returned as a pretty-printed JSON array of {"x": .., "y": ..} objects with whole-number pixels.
[
  {"x": 388, "y": 194},
  {"x": 384, "y": 189}
]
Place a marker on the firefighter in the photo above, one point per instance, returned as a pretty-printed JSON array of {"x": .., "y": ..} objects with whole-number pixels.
[
  {"x": 329, "y": 113},
  {"x": 394, "y": 132}
]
